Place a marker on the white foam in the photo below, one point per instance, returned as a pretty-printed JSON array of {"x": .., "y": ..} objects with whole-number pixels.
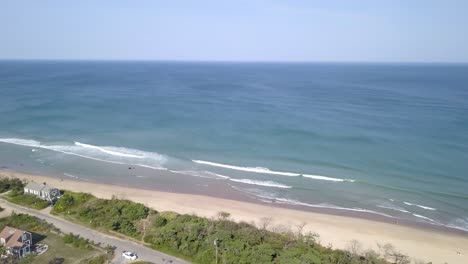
[
  {"x": 325, "y": 178},
  {"x": 71, "y": 176},
  {"x": 202, "y": 174},
  {"x": 295, "y": 202},
  {"x": 420, "y": 206},
  {"x": 109, "y": 150},
  {"x": 426, "y": 218},
  {"x": 116, "y": 155},
  {"x": 261, "y": 183},
  {"x": 20, "y": 141},
  {"x": 394, "y": 208},
  {"x": 249, "y": 169}
]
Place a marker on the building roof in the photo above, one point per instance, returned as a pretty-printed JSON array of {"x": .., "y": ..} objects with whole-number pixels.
[
  {"x": 34, "y": 186},
  {"x": 12, "y": 237},
  {"x": 38, "y": 187}
]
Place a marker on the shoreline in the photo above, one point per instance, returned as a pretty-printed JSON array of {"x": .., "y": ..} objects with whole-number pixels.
[{"x": 419, "y": 241}]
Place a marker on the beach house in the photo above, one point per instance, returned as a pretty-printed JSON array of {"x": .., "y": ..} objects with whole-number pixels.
[
  {"x": 17, "y": 242},
  {"x": 42, "y": 191}
]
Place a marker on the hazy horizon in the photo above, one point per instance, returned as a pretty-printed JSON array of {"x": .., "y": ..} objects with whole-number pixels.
[{"x": 242, "y": 31}]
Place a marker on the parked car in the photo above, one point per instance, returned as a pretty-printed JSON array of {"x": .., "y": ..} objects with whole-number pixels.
[{"x": 129, "y": 255}]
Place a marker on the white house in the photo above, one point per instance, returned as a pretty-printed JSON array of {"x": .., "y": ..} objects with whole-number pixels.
[{"x": 42, "y": 191}]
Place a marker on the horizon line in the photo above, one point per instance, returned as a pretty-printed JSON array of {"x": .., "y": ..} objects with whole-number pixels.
[{"x": 234, "y": 61}]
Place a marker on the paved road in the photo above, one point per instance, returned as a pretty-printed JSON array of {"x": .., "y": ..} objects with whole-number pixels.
[{"x": 143, "y": 252}]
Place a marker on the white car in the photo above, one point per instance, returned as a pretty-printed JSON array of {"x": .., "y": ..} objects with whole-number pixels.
[{"x": 129, "y": 255}]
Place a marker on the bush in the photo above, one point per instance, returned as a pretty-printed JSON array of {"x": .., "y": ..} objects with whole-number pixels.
[
  {"x": 27, "y": 200},
  {"x": 192, "y": 237},
  {"x": 7, "y": 184},
  {"x": 76, "y": 241},
  {"x": 117, "y": 215}
]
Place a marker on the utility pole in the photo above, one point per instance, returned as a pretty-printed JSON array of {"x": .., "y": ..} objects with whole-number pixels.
[{"x": 216, "y": 246}]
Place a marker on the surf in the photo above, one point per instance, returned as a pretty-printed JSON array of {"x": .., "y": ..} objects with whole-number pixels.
[
  {"x": 262, "y": 183},
  {"x": 249, "y": 169}
]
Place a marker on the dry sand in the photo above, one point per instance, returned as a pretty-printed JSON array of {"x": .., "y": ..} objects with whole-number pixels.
[{"x": 420, "y": 244}]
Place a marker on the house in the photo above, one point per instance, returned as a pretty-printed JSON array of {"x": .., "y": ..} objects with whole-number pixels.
[
  {"x": 17, "y": 242},
  {"x": 42, "y": 191}
]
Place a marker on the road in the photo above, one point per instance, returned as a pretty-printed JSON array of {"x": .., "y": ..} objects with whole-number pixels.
[{"x": 120, "y": 245}]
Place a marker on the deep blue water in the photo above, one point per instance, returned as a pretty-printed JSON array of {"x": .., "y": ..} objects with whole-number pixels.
[{"x": 377, "y": 137}]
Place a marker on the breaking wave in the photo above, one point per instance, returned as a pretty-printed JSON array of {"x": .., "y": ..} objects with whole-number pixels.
[
  {"x": 325, "y": 178},
  {"x": 420, "y": 206},
  {"x": 268, "y": 171},
  {"x": 261, "y": 183},
  {"x": 249, "y": 169},
  {"x": 117, "y": 155},
  {"x": 425, "y": 218}
]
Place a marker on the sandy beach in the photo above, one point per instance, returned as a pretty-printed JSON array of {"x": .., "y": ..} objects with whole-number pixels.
[{"x": 338, "y": 231}]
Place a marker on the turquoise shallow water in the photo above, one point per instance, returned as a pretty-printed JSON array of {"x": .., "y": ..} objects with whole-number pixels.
[{"x": 390, "y": 139}]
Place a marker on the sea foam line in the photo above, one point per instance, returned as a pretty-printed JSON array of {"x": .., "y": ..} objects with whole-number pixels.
[
  {"x": 114, "y": 154},
  {"x": 103, "y": 149},
  {"x": 325, "y": 178},
  {"x": 261, "y": 183},
  {"x": 250, "y": 169},
  {"x": 426, "y": 218},
  {"x": 211, "y": 175},
  {"x": 268, "y": 171},
  {"x": 420, "y": 206},
  {"x": 295, "y": 202}
]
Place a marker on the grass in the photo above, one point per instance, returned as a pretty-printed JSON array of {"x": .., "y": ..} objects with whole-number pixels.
[
  {"x": 58, "y": 249},
  {"x": 27, "y": 200}
]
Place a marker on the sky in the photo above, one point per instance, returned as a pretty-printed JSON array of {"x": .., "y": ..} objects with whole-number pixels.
[{"x": 237, "y": 30}]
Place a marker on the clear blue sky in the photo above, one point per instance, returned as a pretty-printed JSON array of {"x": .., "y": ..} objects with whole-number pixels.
[{"x": 237, "y": 30}]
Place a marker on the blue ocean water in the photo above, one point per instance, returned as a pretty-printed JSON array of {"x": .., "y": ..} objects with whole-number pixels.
[{"x": 385, "y": 138}]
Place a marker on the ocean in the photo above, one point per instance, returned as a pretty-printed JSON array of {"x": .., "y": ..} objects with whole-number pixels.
[{"x": 383, "y": 139}]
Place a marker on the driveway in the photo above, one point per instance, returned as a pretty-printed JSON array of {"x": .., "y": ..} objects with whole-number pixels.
[{"x": 120, "y": 245}]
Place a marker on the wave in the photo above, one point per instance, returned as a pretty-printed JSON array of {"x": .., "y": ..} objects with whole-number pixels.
[
  {"x": 249, "y": 169},
  {"x": 268, "y": 171},
  {"x": 328, "y": 206},
  {"x": 420, "y": 206},
  {"x": 394, "y": 208},
  {"x": 116, "y": 155},
  {"x": 325, "y": 178},
  {"x": 74, "y": 177},
  {"x": 426, "y": 218},
  {"x": 212, "y": 175},
  {"x": 109, "y": 150},
  {"x": 202, "y": 174},
  {"x": 261, "y": 183}
]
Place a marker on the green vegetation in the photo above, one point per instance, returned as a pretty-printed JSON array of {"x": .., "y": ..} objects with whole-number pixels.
[
  {"x": 7, "y": 184},
  {"x": 27, "y": 200},
  {"x": 76, "y": 241},
  {"x": 192, "y": 237},
  {"x": 58, "y": 251},
  {"x": 16, "y": 195},
  {"x": 26, "y": 222},
  {"x": 116, "y": 215}
]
